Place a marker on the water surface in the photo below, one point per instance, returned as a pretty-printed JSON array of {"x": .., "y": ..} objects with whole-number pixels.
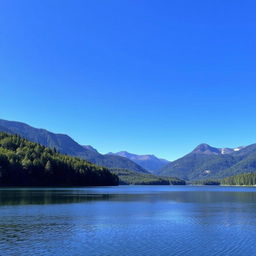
[{"x": 128, "y": 220}]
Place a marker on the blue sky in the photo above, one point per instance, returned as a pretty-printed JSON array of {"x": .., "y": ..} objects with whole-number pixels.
[{"x": 154, "y": 77}]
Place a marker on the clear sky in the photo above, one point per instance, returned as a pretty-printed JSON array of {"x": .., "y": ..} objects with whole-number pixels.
[{"x": 144, "y": 76}]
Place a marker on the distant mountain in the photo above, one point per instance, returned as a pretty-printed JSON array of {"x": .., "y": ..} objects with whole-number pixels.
[
  {"x": 206, "y": 162},
  {"x": 66, "y": 145},
  {"x": 148, "y": 162},
  {"x": 208, "y": 150}
]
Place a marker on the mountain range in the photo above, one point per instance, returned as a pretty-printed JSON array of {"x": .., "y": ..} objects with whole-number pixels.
[
  {"x": 204, "y": 162},
  {"x": 148, "y": 162},
  {"x": 66, "y": 145},
  {"x": 207, "y": 162}
]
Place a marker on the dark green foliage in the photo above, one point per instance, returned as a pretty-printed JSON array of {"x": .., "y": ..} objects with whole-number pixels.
[
  {"x": 129, "y": 177},
  {"x": 24, "y": 163},
  {"x": 246, "y": 179},
  {"x": 66, "y": 145},
  {"x": 206, "y": 182}
]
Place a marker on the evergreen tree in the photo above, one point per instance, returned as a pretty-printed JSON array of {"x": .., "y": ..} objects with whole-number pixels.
[{"x": 24, "y": 163}]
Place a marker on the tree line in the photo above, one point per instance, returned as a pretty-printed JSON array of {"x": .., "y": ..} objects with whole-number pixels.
[
  {"x": 244, "y": 179},
  {"x": 25, "y": 163},
  {"x": 127, "y": 177},
  {"x": 248, "y": 179}
]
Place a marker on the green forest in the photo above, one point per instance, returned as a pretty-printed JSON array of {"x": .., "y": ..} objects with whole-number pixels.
[
  {"x": 25, "y": 163},
  {"x": 246, "y": 179},
  {"x": 127, "y": 177},
  {"x": 206, "y": 182}
]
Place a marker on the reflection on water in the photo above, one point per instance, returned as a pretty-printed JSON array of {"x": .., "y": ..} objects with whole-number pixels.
[
  {"x": 23, "y": 196},
  {"x": 128, "y": 220}
]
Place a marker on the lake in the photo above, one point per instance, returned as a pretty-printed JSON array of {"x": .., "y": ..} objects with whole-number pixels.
[{"x": 128, "y": 220}]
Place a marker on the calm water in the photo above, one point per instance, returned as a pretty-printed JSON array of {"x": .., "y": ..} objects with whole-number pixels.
[{"x": 128, "y": 220}]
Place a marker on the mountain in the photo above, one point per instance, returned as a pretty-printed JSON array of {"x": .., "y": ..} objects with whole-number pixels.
[
  {"x": 66, "y": 145},
  {"x": 206, "y": 162},
  {"x": 148, "y": 162},
  {"x": 208, "y": 150},
  {"x": 25, "y": 163},
  {"x": 246, "y": 163}
]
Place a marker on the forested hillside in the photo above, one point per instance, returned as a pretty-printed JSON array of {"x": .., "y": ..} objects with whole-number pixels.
[
  {"x": 127, "y": 177},
  {"x": 206, "y": 162},
  {"x": 66, "y": 145},
  {"x": 196, "y": 166},
  {"x": 25, "y": 163},
  {"x": 246, "y": 179}
]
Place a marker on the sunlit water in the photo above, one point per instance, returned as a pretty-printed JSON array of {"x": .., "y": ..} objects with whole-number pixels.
[{"x": 128, "y": 220}]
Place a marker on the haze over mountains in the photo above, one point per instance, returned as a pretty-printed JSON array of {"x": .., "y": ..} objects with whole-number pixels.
[{"x": 204, "y": 162}]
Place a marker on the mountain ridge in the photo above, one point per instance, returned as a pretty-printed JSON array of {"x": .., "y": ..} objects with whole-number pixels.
[
  {"x": 204, "y": 162},
  {"x": 208, "y": 162},
  {"x": 25, "y": 163},
  {"x": 205, "y": 148},
  {"x": 149, "y": 162},
  {"x": 66, "y": 145}
]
